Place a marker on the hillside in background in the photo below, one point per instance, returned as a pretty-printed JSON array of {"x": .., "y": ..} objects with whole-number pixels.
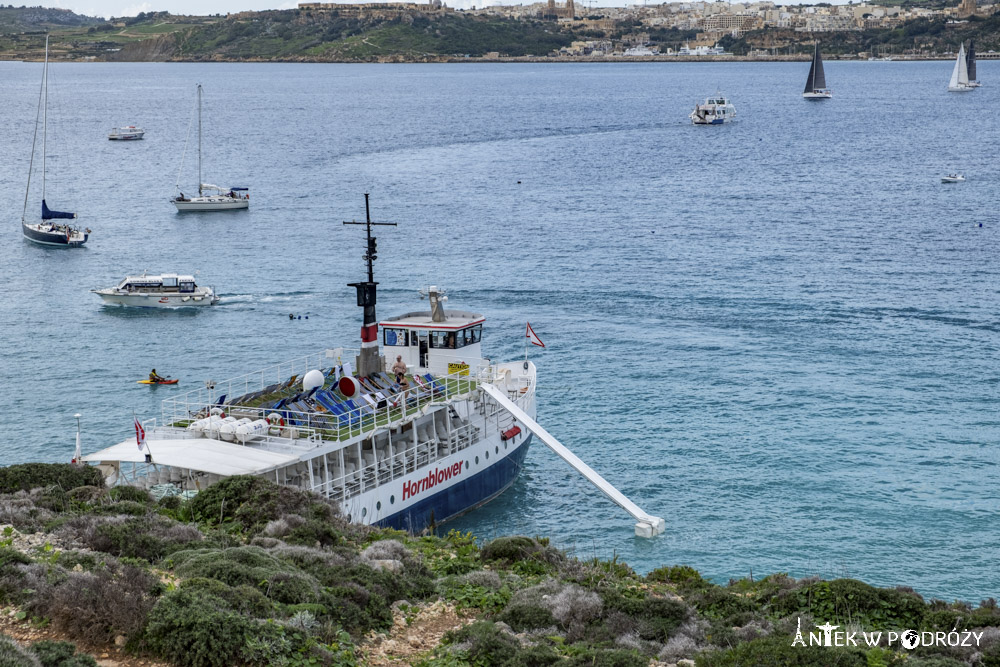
[{"x": 352, "y": 35}]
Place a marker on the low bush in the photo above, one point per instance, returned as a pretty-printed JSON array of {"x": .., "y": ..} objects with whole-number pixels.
[
  {"x": 683, "y": 576},
  {"x": 60, "y": 654},
  {"x": 609, "y": 658},
  {"x": 27, "y": 476},
  {"x": 197, "y": 629},
  {"x": 521, "y": 617},
  {"x": 250, "y": 566},
  {"x": 778, "y": 652},
  {"x": 98, "y": 605},
  {"x": 512, "y": 550},
  {"x": 484, "y": 643},
  {"x": 20, "y": 511},
  {"x": 13, "y": 654},
  {"x": 851, "y": 600},
  {"x": 150, "y": 536},
  {"x": 243, "y": 599},
  {"x": 131, "y": 493}
]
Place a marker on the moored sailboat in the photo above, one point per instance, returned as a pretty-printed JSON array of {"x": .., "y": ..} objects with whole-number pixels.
[
  {"x": 960, "y": 75},
  {"x": 210, "y": 197},
  {"x": 816, "y": 81},
  {"x": 46, "y": 231}
]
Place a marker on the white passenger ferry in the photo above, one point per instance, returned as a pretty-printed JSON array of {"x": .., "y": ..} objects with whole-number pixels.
[
  {"x": 168, "y": 290},
  {"x": 406, "y": 448},
  {"x": 404, "y": 452}
]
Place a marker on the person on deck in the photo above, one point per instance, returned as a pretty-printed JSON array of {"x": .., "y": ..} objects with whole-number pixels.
[
  {"x": 399, "y": 369},
  {"x": 153, "y": 377}
]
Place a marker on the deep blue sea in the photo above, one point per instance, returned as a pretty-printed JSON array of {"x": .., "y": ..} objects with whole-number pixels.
[{"x": 781, "y": 335}]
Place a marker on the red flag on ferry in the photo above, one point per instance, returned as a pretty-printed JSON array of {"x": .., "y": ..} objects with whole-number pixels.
[
  {"x": 140, "y": 434},
  {"x": 530, "y": 334}
]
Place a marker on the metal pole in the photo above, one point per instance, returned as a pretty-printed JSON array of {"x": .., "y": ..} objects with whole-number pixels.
[
  {"x": 45, "y": 111},
  {"x": 199, "y": 140}
]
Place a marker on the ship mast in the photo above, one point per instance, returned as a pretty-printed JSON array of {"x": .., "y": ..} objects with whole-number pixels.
[{"x": 369, "y": 361}]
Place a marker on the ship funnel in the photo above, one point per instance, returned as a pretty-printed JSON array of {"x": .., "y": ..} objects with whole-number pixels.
[{"x": 437, "y": 298}]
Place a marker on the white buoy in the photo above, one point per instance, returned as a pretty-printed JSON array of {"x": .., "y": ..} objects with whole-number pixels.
[{"x": 312, "y": 379}]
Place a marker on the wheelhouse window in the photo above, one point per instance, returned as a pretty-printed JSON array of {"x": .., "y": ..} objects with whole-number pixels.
[
  {"x": 442, "y": 340},
  {"x": 187, "y": 287},
  {"x": 470, "y": 336},
  {"x": 395, "y": 337}
]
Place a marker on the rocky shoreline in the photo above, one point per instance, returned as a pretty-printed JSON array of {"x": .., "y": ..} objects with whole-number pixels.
[{"x": 251, "y": 573}]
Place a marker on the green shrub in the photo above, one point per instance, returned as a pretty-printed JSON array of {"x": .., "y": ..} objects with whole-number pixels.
[
  {"x": 851, "y": 600},
  {"x": 150, "y": 536},
  {"x": 27, "y": 476},
  {"x": 244, "y": 599},
  {"x": 517, "y": 548},
  {"x": 129, "y": 507},
  {"x": 250, "y": 566},
  {"x": 60, "y": 654},
  {"x": 716, "y": 602},
  {"x": 778, "y": 652},
  {"x": 487, "y": 644},
  {"x": 13, "y": 654},
  {"x": 170, "y": 503},
  {"x": 197, "y": 629},
  {"x": 656, "y": 617},
  {"x": 680, "y": 575},
  {"x": 612, "y": 658},
  {"x": 522, "y": 617},
  {"x": 132, "y": 493},
  {"x": 248, "y": 504}
]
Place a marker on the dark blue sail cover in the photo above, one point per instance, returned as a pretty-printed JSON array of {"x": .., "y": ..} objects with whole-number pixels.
[{"x": 55, "y": 215}]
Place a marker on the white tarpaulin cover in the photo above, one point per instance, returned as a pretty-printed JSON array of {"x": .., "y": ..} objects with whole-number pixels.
[{"x": 202, "y": 454}]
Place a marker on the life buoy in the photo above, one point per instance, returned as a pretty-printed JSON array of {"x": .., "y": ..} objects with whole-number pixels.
[{"x": 274, "y": 419}]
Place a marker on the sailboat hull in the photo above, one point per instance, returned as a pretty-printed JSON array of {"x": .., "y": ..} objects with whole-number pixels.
[
  {"x": 960, "y": 88},
  {"x": 818, "y": 95},
  {"x": 210, "y": 204},
  {"x": 53, "y": 236}
]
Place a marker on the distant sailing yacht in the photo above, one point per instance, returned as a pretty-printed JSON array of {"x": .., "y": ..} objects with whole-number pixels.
[
  {"x": 816, "y": 82},
  {"x": 960, "y": 75},
  {"x": 970, "y": 64},
  {"x": 221, "y": 199},
  {"x": 47, "y": 232}
]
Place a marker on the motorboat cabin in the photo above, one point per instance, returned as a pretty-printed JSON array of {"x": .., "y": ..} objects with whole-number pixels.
[
  {"x": 439, "y": 342},
  {"x": 168, "y": 290}
]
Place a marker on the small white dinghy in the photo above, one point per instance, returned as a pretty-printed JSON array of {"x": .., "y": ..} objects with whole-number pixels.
[{"x": 953, "y": 178}]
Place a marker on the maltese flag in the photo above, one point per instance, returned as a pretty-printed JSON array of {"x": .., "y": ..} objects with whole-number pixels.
[
  {"x": 140, "y": 434},
  {"x": 533, "y": 337}
]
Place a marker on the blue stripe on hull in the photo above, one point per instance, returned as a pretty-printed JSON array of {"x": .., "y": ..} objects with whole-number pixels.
[{"x": 462, "y": 497}]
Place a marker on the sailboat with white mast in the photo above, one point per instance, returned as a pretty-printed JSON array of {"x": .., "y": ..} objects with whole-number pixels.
[
  {"x": 960, "y": 75},
  {"x": 47, "y": 232},
  {"x": 816, "y": 81},
  {"x": 210, "y": 197}
]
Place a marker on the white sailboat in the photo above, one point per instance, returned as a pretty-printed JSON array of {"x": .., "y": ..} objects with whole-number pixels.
[
  {"x": 46, "y": 231},
  {"x": 210, "y": 197},
  {"x": 960, "y": 75},
  {"x": 816, "y": 81}
]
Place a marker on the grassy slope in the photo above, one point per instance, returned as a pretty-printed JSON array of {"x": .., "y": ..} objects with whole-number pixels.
[{"x": 250, "y": 573}]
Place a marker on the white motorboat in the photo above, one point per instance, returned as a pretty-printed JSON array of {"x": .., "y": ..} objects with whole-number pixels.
[
  {"x": 715, "y": 111},
  {"x": 167, "y": 290},
  {"x": 816, "y": 81},
  {"x": 47, "y": 232},
  {"x": 210, "y": 197},
  {"x": 127, "y": 133},
  {"x": 960, "y": 75},
  {"x": 953, "y": 178}
]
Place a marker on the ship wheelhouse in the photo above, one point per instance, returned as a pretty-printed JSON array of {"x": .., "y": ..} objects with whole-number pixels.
[{"x": 427, "y": 346}]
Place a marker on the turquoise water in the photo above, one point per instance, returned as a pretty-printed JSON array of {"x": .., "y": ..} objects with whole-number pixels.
[{"x": 779, "y": 334}]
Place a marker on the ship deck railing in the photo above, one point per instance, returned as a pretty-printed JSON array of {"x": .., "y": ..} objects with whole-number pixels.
[{"x": 309, "y": 420}]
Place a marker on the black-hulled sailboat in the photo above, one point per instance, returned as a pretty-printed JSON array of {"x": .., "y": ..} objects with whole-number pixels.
[
  {"x": 970, "y": 64},
  {"x": 48, "y": 231},
  {"x": 816, "y": 83}
]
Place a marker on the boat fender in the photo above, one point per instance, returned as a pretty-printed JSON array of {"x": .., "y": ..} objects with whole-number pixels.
[{"x": 510, "y": 433}]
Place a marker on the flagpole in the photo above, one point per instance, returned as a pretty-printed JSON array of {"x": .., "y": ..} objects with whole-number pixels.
[{"x": 145, "y": 441}]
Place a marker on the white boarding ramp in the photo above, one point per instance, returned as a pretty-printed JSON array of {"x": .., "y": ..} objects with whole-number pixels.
[{"x": 646, "y": 524}]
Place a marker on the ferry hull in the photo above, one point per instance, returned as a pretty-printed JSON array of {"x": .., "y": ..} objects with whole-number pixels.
[
  {"x": 158, "y": 301},
  {"x": 462, "y": 497}
]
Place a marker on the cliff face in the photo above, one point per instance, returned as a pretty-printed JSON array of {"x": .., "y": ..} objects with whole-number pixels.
[{"x": 156, "y": 49}]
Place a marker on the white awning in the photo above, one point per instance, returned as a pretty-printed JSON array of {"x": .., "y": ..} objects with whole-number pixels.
[{"x": 201, "y": 454}]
